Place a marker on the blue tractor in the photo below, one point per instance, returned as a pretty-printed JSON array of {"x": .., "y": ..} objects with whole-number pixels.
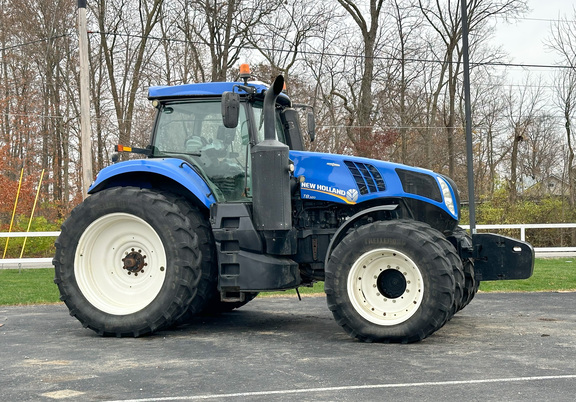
[{"x": 226, "y": 203}]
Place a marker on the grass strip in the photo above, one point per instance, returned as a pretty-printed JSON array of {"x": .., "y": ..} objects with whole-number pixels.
[
  {"x": 28, "y": 286},
  {"x": 36, "y": 286},
  {"x": 550, "y": 274}
]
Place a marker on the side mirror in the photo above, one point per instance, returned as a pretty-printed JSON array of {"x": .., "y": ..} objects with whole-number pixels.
[
  {"x": 311, "y": 125},
  {"x": 292, "y": 128},
  {"x": 230, "y": 109}
]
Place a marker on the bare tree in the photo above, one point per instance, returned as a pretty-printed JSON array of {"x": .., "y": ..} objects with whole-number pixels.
[
  {"x": 369, "y": 26},
  {"x": 565, "y": 84},
  {"x": 523, "y": 108},
  {"x": 291, "y": 28},
  {"x": 563, "y": 42},
  {"x": 488, "y": 132},
  {"x": 324, "y": 65},
  {"x": 445, "y": 19},
  {"x": 182, "y": 59},
  {"x": 405, "y": 46},
  {"x": 223, "y": 28},
  {"x": 125, "y": 31},
  {"x": 540, "y": 157}
]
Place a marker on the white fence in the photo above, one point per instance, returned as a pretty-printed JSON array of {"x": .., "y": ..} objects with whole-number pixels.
[
  {"x": 18, "y": 263},
  {"x": 542, "y": 251}
]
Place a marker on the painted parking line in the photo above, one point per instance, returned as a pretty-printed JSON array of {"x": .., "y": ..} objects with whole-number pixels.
[{"x": 352, "y": 388}]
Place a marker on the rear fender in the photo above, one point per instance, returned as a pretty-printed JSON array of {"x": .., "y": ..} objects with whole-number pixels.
[{"x": 146, "y": 172}]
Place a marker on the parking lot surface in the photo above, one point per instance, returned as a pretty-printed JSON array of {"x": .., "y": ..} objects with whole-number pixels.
[{"x": 503, "y": 346}]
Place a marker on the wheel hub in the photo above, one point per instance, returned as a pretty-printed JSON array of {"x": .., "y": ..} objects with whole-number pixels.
[
  {"x": 391, "y": 283},
  {"x": 134, "y": 262}
]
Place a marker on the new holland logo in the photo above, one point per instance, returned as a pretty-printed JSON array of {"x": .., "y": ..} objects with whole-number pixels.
[{"x": 352, "y": 195}]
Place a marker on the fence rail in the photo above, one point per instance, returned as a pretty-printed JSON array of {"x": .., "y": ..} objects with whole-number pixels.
[
  {"x": 542, "y": 251},
  {"x": 20, "y": 263}
]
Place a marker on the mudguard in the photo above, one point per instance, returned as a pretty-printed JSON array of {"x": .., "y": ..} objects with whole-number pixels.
[
  {"x": 500, "y": 257},
  {"x": 171, "y": 169}
]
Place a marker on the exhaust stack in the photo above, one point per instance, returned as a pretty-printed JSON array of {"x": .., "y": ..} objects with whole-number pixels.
[{"x": 270, "y": 171}]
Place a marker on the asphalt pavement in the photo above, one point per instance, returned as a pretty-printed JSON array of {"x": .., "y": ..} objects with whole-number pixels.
[{"x": 502, "y": 347}]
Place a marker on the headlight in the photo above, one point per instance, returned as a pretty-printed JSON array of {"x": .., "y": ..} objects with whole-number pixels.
[{"x": 448, "y": 198}]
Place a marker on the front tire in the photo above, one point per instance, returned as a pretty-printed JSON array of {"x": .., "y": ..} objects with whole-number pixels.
[
  {"x": 390, "y": 282},
  {"x": 460, "y": 238},
  {"x": 127, "y": 262}
]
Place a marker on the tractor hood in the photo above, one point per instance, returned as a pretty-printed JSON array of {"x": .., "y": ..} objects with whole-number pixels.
[{"x": 351, "y": 180}]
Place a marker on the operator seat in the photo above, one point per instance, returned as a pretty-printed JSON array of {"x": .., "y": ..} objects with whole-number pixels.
[{"x": 219, "y": 162}]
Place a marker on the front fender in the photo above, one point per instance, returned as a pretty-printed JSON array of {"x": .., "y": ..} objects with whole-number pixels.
[
  {"x": 144, "y": 172},
  {"x": 342, "y": 230}
]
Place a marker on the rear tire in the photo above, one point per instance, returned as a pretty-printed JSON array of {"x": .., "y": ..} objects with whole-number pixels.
[
  {"x": 390, "y": 282},
  {"x": 127, "y": 262},
  {"x": 208, "y": 300}
]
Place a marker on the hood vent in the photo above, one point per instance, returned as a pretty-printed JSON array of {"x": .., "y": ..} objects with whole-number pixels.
[{"x": 367, "y": 177}]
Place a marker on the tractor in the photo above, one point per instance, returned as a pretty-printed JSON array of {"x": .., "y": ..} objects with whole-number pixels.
[{"x": 225, "y": 203}]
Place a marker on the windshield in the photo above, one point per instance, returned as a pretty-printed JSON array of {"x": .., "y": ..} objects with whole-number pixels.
[
  {"x": 181, "y": 125},
  {"x": 259, "y": 118},
  {"x": 194, "y": 131}
]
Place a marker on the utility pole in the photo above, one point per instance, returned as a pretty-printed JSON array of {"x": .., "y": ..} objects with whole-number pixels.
[
  {"x": 85, "y": 131},
  {"x": 468, "y": 114}
]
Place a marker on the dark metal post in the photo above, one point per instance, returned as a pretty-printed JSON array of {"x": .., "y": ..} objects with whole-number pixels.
[{"x": 468, "y": 117}]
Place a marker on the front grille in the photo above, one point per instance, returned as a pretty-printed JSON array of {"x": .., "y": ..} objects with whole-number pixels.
[
  {"x": 367, "y": 177},
  {"x": 420, "y": 184}
]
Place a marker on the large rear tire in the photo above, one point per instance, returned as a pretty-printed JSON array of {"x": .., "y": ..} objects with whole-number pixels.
[
  {"x": 390, "y": 282},
  {"x": 207, "y": 301},
  {"x": 127, "y": 262}
]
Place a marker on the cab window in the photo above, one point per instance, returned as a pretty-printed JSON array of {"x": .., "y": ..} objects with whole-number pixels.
[
  {"x": 194, "y": 131},
  {"x": 259, "y": 119}
]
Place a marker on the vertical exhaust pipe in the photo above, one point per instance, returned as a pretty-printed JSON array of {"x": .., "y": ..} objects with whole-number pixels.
[
  {"x": 270, "y": 172},
  {"x": 269, "y": 108}
]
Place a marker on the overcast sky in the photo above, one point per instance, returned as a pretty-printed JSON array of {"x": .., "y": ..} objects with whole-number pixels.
[{"x": 524, "y": 39}]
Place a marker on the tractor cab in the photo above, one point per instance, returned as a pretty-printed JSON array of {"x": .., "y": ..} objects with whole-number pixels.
[
  {"x": 193, "y": 131},
  {"x": 197, "y": 129}
]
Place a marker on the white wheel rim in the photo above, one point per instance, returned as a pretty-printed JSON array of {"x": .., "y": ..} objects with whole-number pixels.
[
  {"x": 376, "y": 302},
  {"x": 99, "y": 267}
]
